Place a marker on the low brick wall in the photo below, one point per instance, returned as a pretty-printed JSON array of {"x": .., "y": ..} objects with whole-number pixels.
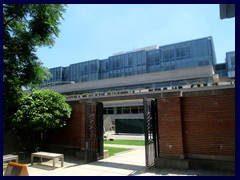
[
  {"x": 197, "y": 126},
  {"x": 209, "y": 125},
  {"x": 191, "y": 125}
]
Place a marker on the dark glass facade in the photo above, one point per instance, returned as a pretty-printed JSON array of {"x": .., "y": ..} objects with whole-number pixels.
[
  {"x": 57, "y": 76},
  {"x": 84, "y": 71},
  {"x": 199, "y": 52},
  {"x": 227, "y": 69},
  {"x": 221, "y": 70},
  {"x": 230, "y": 63},
  {"x": 182, "y": 55}
]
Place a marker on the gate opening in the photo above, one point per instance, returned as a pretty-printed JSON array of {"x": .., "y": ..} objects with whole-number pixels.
[{"x": 135, "y": 117}]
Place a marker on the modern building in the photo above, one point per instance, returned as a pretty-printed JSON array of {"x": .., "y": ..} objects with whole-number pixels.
[
  {"x": 150, "y": 67},
  {"x": 155, "y": 67},
  {"x": 227, "y": 70},
  {"x": 221, "y": 70},
  {"x": 230, "y": 64}
]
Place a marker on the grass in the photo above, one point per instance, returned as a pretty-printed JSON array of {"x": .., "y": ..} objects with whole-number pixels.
[
  {"x": 126, "y": 142},
  {"x": 114, "y": 150}
]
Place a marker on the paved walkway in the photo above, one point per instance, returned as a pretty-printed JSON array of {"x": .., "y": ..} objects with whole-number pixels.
[
  {"x": 123, "y": 164},
  {"x": 128, "y": 163}
]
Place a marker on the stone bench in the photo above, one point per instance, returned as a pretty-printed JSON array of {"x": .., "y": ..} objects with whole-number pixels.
[
  {"x": 48, "y": 155},
  {"x": 10, "y": 157}
]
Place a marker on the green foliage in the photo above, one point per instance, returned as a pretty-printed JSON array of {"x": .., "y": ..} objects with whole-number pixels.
[
  {"x": 126, "y": 142},
  {"x": 42, "y": 111},
  {"x": 36, "y": 21},
  {"x": 198, "y": 84},
  {"x": 25, "y": 28}
]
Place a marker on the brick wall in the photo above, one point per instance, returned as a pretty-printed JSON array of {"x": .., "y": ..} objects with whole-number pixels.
[
  {"x": 209, "y": 125},
  {"x": 74, "y": 133},
  {"x": 193, "y": 125},
  {"x": 196, "y": 124},
  {"x": 170, "y": 127}
]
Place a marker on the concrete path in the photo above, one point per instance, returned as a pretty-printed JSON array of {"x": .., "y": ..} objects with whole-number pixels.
[
  {"x": 128, "y": 163},
  {"x": 123, "y": 164}
]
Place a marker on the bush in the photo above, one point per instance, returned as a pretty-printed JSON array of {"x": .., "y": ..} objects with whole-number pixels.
[{"x": 40, "y": 112}]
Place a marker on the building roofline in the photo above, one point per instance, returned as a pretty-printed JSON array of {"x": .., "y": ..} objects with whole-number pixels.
[
  {"x": 149, "y": 78},
  {"x": 208, "y": 37}
]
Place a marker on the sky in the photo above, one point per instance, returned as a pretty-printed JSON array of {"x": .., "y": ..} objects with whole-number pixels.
[{"x": 97, "y": 31}]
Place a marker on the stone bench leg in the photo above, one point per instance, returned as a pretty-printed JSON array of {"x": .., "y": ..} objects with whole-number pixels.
[
  {"x": 31, "y": 159},
  {"x": 62, "y": 158},
  {"x": 54, "y": 163}
]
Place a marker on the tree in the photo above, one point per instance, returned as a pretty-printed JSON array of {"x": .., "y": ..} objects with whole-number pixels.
[
  {"x": 40, "y": 112},
  {"x": 25, "y": 27}
]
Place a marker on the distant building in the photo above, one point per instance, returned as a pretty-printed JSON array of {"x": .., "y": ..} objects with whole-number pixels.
[
  {"x": 146, "y": 68},
  {"x": 227, "y": 70},
  {"x": 150, "y": 67},
  {"x": 221, "y": 70},
  {"x": 230, "y": 64}
]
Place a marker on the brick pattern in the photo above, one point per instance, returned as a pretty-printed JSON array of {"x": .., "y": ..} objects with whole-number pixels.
[
  {"x": 209, "y": 125},
  {"x": 197, "y": 125},
  {"x": 170, "y": 127},
  {"x": 74, "y": 133},
  {"x": 189, "y": 125}
]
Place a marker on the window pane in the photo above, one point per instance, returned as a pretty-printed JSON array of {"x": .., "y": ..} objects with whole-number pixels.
[
  {"x": 110, "y": 111},
  {"x": 119, "y": 110},
  {"x": 134, "y": 110},
  {"x": 140, "y": 109},
  {"x": 126, "y": 110}
]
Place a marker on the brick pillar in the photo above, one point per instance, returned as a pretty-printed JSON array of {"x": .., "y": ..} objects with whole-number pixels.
[{"x": 170, "y": 127}]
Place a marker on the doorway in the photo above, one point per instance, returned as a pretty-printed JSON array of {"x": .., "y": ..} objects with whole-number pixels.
[{"x": 94, "y": 131}]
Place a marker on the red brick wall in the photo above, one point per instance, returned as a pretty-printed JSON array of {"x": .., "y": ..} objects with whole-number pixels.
[
  {"x": 209, "y": 125},
  {"x": 197, "y": 125},
  {"x": 74, "y": 133},
  {"x": 170, "y": 127}
]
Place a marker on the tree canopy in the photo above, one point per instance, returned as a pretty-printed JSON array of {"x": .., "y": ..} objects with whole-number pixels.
[
  {"x": 40, "y": 112},
  {"x": 26, "y": 27}
]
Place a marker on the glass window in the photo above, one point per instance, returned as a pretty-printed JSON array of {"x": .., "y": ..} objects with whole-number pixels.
[
  {"x": 126, "y": 110},
  {"x": 140, "y": 109},
  {"x": 134, "y": 58},
  {"x": 104, "y": 110},
  {"x": 134, "y": 110},
  {"x": 110, "y": 110},
  {"x": 139, "y": 57},
  {"x": 119, "y": 110},
  {"x": 130, "y": 61},
  {"x": 232, "y": 62}
]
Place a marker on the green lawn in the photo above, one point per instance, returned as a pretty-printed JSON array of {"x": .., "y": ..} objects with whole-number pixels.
[
  {"x": 114, "y": 150},
  {"x": 126, "y": 142}
]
